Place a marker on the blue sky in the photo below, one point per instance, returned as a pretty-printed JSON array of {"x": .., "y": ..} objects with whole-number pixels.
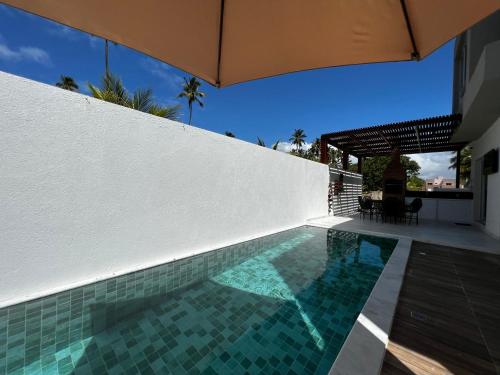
[{"x": 318, "y": 101}]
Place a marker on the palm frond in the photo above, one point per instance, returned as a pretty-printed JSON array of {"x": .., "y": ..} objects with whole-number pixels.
[
  {"x": 169, "y": 112},
  {"x": 142, "y": 100}
]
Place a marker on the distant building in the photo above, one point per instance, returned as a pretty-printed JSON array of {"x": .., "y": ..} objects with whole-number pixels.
[{"x": 439, "y": 183}]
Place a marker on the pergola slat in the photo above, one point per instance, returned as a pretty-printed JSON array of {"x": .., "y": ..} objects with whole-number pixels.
[{"x": 410, "y": 137}]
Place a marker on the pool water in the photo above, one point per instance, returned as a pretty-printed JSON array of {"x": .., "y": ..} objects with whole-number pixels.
[{"x": 285, "y": 310}]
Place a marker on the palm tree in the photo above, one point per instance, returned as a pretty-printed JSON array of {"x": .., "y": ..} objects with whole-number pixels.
[
  {"x": 335, "y": 157},
  {"x": 297, "y": 139},
  {"x": 275, "y": 145},
  {"x": 191, "y": 93},
  {"x": 67, "y": 83},
  {"x": 465, "y": 164},
  {"x": 314, "y": 151},
  {"x": 260, "y": 142},
  {"x": 106, "y": 55},
  {"x": 170, "y": 112},
  {"x": 113, "y": 91},
  {"x": 229, "y": 134}
]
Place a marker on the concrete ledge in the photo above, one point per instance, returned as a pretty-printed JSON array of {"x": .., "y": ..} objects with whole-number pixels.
[{"x": 364, "y": 349}]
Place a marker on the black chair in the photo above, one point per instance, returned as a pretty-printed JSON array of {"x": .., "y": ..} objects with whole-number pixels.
[
  {"x": 365, "y": 206},
  {"x": 413, "y": 208},
  {"x": 393, "y": 208}
]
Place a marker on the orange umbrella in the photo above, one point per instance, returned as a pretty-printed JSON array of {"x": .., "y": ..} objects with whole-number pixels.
[{"x": 230, "y": 41}]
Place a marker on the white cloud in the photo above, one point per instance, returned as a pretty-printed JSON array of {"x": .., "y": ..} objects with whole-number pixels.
[
  {"x": 434, "y": 164},
  {"x": 7, "y": 54},
  {"x": 287, "y": 146},
  {"x": 63, "y": 31},
  {"x": 70, "y": 34},
  {"x": 162, "y": 71},
  {"x": 33, "y": 54}
]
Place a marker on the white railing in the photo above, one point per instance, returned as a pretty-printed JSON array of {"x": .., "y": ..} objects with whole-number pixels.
[{"x": 345, "y": 188}]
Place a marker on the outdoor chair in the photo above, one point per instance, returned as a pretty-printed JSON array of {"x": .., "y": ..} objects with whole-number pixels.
[
  {"x": 393, "y": 208},
  {"x": 365, "y": 206},
  {"x": 413, "y": 208}
]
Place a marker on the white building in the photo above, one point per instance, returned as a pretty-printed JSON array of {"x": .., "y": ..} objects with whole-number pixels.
[
  {"x": 476, "y": 91},
  {"x": 440, "y": 182}
]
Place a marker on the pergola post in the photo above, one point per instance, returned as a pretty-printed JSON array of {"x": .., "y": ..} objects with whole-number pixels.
[
  {"x": 457, "y": 170},
  {"x": 323, "y": 151},
  {"x": 345, "y": 160},
  {"x": 360, "y": 165}
]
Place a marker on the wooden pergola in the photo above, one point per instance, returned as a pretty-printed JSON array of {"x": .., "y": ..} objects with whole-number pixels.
[{"x": 409, "y": 137}]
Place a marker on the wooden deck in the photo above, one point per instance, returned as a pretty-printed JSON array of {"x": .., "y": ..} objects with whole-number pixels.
[{"x": 448, "y": 315}]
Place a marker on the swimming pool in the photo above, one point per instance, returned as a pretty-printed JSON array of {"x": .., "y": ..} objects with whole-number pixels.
[{"x": 279, "y": 304}]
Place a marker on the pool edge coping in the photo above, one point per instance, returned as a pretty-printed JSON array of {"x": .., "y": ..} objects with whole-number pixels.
[{"x": 363, "y": 352}]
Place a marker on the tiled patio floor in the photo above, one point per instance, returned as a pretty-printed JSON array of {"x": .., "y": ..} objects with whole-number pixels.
[
  {"x": 436, "y": 232},
  {"x": 448, "y": 315}
]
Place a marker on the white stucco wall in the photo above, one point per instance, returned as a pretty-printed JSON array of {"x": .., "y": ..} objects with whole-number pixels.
[
  {"x": 489, "y": 140},
  {"x": 90, "y": 189}
]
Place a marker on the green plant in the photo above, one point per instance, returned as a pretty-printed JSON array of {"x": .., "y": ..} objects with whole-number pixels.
[
  {"x": 67, "y": 83},
  {"x": 113, "y": 91}
]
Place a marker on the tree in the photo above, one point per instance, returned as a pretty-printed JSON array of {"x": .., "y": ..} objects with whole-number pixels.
[
  {"x": 411, "y": 167},
  {"x": 313, "y": 152},
  {"x": 261, "y": 142},
  {"x": 67, "y": 83},
  {"x": 113, "y": 91},
  {"x": 335, "y": 157},
  {"x": 415, "y": 183},
  {"x": 170, "y": 112},
  {"x": 191, "y": 93},
  {"x": 465, "y": 164},
  {"x": 374, "y": 167},
  {"x": 298, "y": 139},
  {"x": 229, "y": 134}
]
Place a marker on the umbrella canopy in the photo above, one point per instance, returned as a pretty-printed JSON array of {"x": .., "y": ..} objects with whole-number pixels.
[{"x": 231, "y": 41}]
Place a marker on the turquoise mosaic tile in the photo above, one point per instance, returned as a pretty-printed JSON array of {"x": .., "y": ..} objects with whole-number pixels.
[{"x": 281, "y": 304}]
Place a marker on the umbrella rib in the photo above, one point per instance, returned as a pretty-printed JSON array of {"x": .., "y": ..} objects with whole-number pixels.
[
  {"x": 221, "y": 28},
  {"x": 415, "y": 54}
]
